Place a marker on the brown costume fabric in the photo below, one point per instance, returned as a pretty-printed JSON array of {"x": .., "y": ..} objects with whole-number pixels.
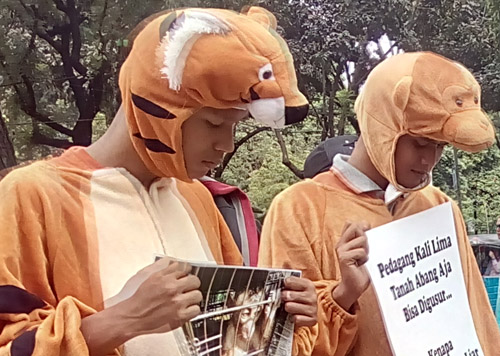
[
  {"x": 417, "y": 94},
  {"x": 421, "y": 94}
]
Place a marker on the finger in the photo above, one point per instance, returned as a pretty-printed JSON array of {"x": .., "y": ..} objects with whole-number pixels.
[
  {"x": 352, "y": 231},
  {"x": 347, "y": 225},
  {"x": 301, "y": 320},
  {"x": 179, "y": 269},
  {"x": 299, "y": 309},
  {"x": 306, "y": 298},
  {"x": 189, "y": 283},
  {"x": 159, "y": 265},
  {"x": 354, "y": 257},
  {"x": 190, "y": 312},
  {"x": 365, "y": 225},
  {"x": 193, "y": 297},
  {"x": 358, "y": 242},
  {"x": 298, "y": 284}
]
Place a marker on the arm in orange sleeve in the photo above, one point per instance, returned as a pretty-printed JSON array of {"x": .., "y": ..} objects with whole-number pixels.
[
  {"x": 292, "y": 237},
  {"x": 484, "y": 320},
  {"x": 32, "y": 319}
]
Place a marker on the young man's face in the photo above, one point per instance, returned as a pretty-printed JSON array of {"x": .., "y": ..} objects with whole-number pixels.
[
  {"x": 206, "y": 136},
  {"x": 415, "y": 158},
  {"x": 498, "y": 228}
]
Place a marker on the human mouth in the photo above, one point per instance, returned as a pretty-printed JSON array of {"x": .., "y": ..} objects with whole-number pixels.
[
  {"x": 422, "y": 173},
  {"x": 210, "y": 164}
]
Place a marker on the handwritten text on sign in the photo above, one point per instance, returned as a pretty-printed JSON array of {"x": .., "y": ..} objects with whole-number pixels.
[{"x": 417, "y": 275}]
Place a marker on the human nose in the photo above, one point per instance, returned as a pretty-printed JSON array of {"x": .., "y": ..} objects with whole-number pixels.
[
  {"x": 225, "y": 139},
  {"x": 431, "y": 155}
]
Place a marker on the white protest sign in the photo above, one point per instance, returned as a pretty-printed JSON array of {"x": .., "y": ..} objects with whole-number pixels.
[{"x": 414, "y": 264}]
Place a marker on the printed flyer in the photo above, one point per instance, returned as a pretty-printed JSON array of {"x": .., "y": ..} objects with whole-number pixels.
[{"x": 241, "y": 313}]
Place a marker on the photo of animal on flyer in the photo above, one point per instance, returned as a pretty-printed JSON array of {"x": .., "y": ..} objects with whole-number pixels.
[{"x": 241, "y": 313}]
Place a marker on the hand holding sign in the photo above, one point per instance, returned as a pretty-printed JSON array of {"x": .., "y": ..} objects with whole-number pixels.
[{"x": 352, "y": 253}]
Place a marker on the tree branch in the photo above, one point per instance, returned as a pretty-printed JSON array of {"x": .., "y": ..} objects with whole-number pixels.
[
  {"x": 284, "y": 154},
  {"x": 7, "y": 152},
  {"x": 101, "y": 22},
  {"x": 74, "y": 23},
  {"x": 228, "y": 156},
  {"x": 41, "y": 139},
  {"x": 29, "y": 106}
]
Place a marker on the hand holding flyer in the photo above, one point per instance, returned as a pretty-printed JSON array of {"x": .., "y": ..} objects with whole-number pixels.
[
  {"x": 417, "y": 274},
  {"x": 242, "y": 312}
]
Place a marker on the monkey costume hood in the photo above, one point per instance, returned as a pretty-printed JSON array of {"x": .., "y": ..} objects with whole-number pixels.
[
  {"x": 426, "y": 95},
  {"x": 193, "y": 58}
]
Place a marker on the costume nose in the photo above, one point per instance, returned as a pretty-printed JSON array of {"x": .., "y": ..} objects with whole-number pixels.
[{"x": 295, "y": 114}]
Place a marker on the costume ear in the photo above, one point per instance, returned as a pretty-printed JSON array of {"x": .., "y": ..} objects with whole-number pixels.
[
  {"x": 261, "y": 15},
  {"x": 183, "y": 29},
  {"x": 402, "y": 92},
  {"x": 171, "y": 23}
]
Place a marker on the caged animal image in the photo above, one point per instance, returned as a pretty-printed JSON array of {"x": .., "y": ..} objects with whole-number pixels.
[{"x": 242, "y": 313}]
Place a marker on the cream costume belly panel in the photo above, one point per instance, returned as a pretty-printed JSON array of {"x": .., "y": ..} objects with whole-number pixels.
[{"x": 137, "y": 230}]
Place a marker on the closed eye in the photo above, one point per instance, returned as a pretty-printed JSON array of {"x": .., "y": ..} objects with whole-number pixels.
[{"x": 213, "y": 125}]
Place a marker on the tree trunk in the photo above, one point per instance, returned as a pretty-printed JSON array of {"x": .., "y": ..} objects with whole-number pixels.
[{"x": 7, "y": 153}]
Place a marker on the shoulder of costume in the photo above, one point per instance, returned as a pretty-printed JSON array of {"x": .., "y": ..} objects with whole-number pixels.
[
  {"x": 299, "y": 193},
  {"x": 36, "y": 177},
  {"x": 435, "y": 195}
]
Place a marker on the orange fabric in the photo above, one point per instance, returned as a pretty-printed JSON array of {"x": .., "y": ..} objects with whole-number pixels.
[
  {"x": 419, "y": 94},
  {"x": 48, "y": 251},
  {"x": 301, "y": 230},
  {"x": 176, "y": 66},
  {"x": 49, "y": 248}
]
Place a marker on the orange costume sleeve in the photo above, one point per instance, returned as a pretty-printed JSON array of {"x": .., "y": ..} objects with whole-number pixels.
[{"x": 33, "y": 319}]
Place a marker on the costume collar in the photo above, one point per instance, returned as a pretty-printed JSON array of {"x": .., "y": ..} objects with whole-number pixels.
[{"x": 360, "y": 183}]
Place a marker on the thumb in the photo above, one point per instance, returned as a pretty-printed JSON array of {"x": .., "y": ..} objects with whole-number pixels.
[{"x": 137, "y": 279}]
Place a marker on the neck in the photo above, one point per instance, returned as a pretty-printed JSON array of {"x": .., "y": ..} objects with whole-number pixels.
[
  {"x": 115, "y": 149},
  {"x": 361, "y": 161}
]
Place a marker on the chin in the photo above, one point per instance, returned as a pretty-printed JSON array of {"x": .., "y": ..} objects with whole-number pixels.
[{"x": 197, "y": 175}]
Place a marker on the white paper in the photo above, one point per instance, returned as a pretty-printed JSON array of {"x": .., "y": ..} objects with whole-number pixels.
[{"x": 414, "y": 264}]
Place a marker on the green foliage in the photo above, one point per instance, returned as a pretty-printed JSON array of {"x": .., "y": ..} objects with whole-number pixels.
[{"x": 479, "y": 176}]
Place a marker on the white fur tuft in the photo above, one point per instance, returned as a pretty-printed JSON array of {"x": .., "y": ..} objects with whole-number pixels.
[
  {"x": 177, "y": 45},
  {"x": 270, "y": 112}
]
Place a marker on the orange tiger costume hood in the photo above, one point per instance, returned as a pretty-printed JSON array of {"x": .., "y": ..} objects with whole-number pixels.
[
  {"x": 420, "y": 94},
  {"x": 193, "y": 58}
]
